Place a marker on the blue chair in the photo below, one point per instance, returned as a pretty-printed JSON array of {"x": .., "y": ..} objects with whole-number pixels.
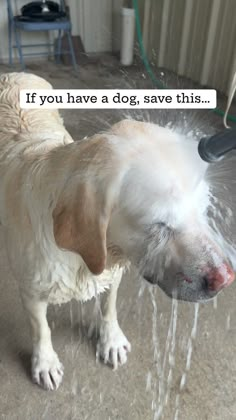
[{"x": 17, "y": 24}]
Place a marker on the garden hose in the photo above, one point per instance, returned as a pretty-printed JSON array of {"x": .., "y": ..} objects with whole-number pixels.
[{"x": 148, "y": 68}]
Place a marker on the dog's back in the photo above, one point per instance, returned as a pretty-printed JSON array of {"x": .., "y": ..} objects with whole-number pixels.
[
  {"x": 31, "y": 125},
  {"x": 25, "y": 137}
]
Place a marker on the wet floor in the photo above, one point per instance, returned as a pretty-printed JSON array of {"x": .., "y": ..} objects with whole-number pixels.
[{"x": 183, "y": 363}]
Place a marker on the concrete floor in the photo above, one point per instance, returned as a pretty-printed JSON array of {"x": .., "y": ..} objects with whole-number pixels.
[{"x": 91, "y": 390}]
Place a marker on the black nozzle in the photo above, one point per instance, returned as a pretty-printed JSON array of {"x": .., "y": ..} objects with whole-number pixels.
[{"x": 213, "y": 149}]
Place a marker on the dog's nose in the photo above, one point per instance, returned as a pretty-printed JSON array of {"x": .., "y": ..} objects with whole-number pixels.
[{"x": 217, "y": 278}]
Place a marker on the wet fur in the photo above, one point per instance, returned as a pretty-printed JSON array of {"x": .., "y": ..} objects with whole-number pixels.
[{"x": 75, "y": 214}]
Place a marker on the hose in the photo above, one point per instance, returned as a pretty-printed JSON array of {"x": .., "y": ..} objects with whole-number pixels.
[
  {"x": 147, "y": 66},
  {"x": 157, "y": 82},
  {"x": 214, "y": 148}
]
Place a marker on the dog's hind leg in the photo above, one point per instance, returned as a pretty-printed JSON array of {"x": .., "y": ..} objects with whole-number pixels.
[
  {"x": 113, "y": 346},
  {"x": 47, "y": 371}
]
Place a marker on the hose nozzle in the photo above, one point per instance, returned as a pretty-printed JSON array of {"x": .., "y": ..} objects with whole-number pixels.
[{"x": 213, "y": 149}]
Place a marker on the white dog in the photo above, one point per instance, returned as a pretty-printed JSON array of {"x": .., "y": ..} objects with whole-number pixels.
[{"x": 75, "y": 215}]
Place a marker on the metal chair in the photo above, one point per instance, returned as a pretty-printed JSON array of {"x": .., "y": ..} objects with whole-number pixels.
[{"x": 16, "y": 24}]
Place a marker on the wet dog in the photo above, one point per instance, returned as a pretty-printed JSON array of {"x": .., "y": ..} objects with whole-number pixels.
[{"x": 76, "y": 214}]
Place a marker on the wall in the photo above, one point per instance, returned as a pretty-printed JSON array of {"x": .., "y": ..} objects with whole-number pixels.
[
  {"x": 194, "y": 38},
  {"x": 92, "y": 20}
]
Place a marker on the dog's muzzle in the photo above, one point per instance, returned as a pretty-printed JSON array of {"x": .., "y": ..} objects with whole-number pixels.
[{"x": 195, "y": 288}]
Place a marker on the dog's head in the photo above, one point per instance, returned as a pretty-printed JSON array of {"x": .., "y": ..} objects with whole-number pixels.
[{"x": 139, "y": 192}]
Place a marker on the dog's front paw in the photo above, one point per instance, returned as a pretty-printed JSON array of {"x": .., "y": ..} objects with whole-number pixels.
[
  {"x": 47, "y": 370},
  {"x": 113, "y": 346}
]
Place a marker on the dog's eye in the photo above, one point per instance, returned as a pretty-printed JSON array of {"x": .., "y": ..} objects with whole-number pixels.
[
  {"x": 162, "y": 225},
  {"x": 165, "y": 230},
  {"x": 161, "y": 229},
  {"x": 159, "y": 234}
]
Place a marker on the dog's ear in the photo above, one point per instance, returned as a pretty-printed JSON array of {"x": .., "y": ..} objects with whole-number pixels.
[{"x": 80, "y": 223}]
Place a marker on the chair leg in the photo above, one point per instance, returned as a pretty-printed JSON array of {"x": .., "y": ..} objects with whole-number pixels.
[
  {"x": 10, "y": 43},
  {"x": 72, "y": 51},
  {"x": 18, "y": 44},
  {"x": 58, "y": 56}
]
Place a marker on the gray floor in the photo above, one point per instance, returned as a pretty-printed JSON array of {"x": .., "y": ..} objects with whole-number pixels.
[{"x": 91, "y": 390}]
